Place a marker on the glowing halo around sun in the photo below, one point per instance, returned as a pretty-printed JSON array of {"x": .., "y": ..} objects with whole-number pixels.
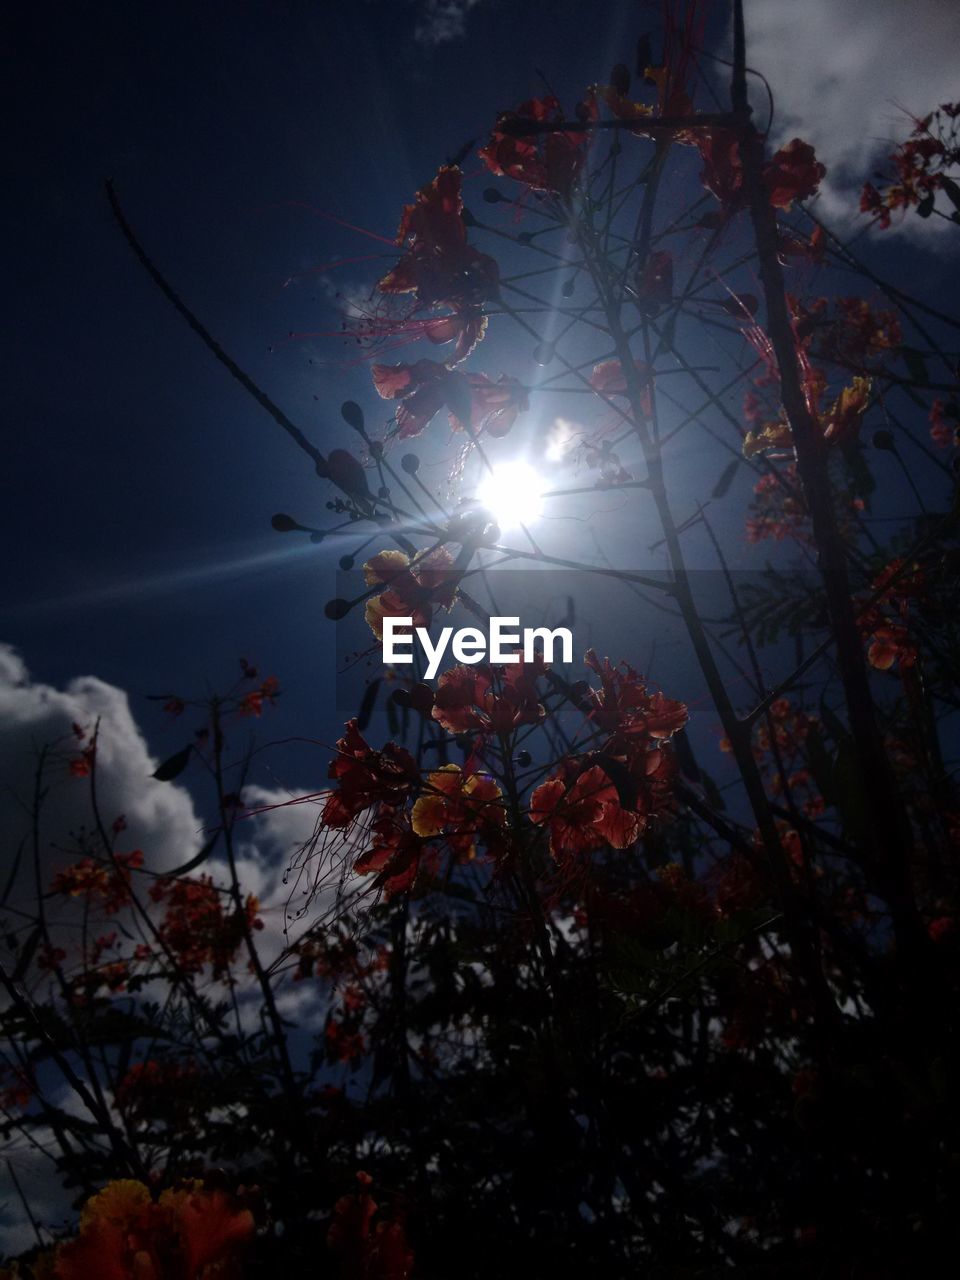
[{"x": 512, "y": 492}]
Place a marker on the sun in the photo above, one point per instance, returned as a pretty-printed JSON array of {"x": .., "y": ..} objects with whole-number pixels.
[{"x": 512, "y": 492}]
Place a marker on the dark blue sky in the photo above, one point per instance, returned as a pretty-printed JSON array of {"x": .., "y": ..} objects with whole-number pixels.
[
  {"x": 132, "y": 457},
  {"x": 139, "y": 474}
]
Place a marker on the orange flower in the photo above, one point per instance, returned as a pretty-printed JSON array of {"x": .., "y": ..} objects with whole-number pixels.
[
  {"x": 124, "y": 1235},
  {"x": 412, "y": 592},
  {"x": 103, "y": 881},
  {"x": 460, "y": 806},
  {"x": 584, "y": 815},
  {"x": 623, "y": 706},
  {"x": 396, "y": 855}
]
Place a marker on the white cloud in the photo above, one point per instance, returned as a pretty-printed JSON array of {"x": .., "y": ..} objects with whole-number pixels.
[
  {"x": 847, "y": 76},
  {"x": 442, "y": 21},
  {"x": 160, "y": 816},
  {"x": 163, "y": 822}
]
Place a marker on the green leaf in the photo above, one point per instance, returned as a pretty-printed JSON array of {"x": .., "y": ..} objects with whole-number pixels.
[
  {"x": 668, "y": 336},
  {"x": 621, "y": 778},
  {"x": 855, "y": 458},
  {"x": 196, "y": 860},
  {"x": 367, "y": 703},
  {"x": 838, "y": 730},
  {"x": 820, "y": 764},
  {"x": 851, "y": 797},
  {"x": 393, "y": 724},
  {"x": 952, "y": 191},
  {"x": 916, "y": 366},
  {"x": 173, "y": 767},
  {"x": 721, "y": 488},
  {"x": 712, "y": 792},
  {"x": 687, "y": 760}
]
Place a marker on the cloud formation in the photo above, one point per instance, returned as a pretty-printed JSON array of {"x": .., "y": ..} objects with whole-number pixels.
[
  {"x": 847, "y": 77},
  {"x": 442, "y": 21},
  {"x": 163, "y": 822},
  {"x": 160, "y": 816}
]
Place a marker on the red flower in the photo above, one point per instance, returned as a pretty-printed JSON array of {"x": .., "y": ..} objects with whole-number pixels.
[
  {"x": 81, "y": 766},
  {"x": 891, "y": 644},
  {"x": 943, "y": 433},
  {"x": 608, "y": 379},
  {"x": 622, "y": 705},
  {"x": 396, "y": 855},
  {"x": 426, "y": 387},
  {"x": 722, "y": 172},
  {"x": 482, "y": 699},
  {"x": 124, "y": 1234},
  {"x": 885, "y": 622},
  {"x": 544, "y": 162},
  {"x": 251, "y": 704},
  {"x": 343, "y": 1045},
  {"x": 440, "y": 268},
  {"x": 367, "y": 777},
  {"x": 421, "y": 389},
  {"x": 793, "y": 173},
  {"x": 584, "y": 814},
  {"x": 494, "y": 406},
  {"x": 368, "y": 1250},
  {"x": 195, "y": 926},
  {"x": 156, "y": 1088},
  {"x": 654, "y": 287},
  {"x": 413, "y": 590},
  {"x": 16, "y": 1089},
  {"x": 103, "y": 881}
]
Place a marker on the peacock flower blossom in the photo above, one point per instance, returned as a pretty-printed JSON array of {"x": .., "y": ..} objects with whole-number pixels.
[
  {"x": 460, "y": 806},
  {"x": 425, "y": 388},
  {"x": 549, "y": 162},
  {"x": 414, "y": 589},
  {"x": 482, "y": 699}
]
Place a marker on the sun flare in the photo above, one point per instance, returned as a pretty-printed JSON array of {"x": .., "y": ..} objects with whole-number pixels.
[{"x": 512, "y": 492}]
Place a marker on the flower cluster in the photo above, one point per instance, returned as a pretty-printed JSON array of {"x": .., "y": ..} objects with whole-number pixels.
[
  {"x": 125, "y": 1234},
  {"x": 609, "y": 796},
  {"x": 413, "y": 590},
  {"x": 885, "y": 623},
  {"x": 195, "y": 926},
  {"x": 792, "y": 173},
  {"x": 424, "y": 388},
  {"x": 104, "y": 881},
  {"x": 373, "y": 1250},
  {"x": 550, "y": 162},
  {"x": 157, "y": 1088},
  {"x": 921, "y": 166},
  {"x": 440, "y": 269}
]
